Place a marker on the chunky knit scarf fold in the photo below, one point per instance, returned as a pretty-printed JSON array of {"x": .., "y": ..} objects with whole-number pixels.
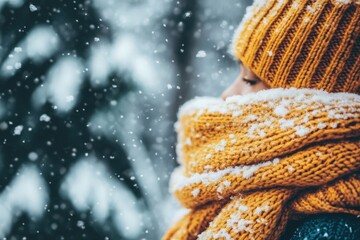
[{"x": 250, "y": 163}]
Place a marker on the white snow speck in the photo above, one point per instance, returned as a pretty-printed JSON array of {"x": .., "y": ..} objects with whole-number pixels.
[
  {"x": 17, "y": 65},
  {"x": 286, "y": 123},
  {"x": 188, "y": 14},
  {"x": 18, "y": 129},
  {"x": 321, "y": 125},
  {"x": 45, "y": 118},
  {"x": 291, "y": 168},
  {"x": 169, "y": 86},
  {"x": 262, "y": 133},
  {"x": 301, "y": 130},
  {"x": 243, "y": 225},
  {"x": 227, "y": 183},
  {"x": 33, "y": 156},
  {"x": 281, "y": 111},
  {"x": 220, "y": 146},
  {"x": 259, "y": 210},
  {"x": 80, "y": 224},
  {"x": 96, "y": 39},
  {"x": 32, "y": 8},
  {"x": 310, "y": 9},
  {"x": 195, "y": 192},
  {"x": 243, "y": 208},
  {"x": 306, "y": 20},
  {"x": 18, "y": 49},
  {"x": 270, "y": 53},
  {"x": 201, "y": 54}
]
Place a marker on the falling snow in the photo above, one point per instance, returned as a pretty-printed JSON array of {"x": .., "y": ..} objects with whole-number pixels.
[
  {"x": 45, "y": 118},
  {"x": 18, "y": 129},
  {"x": 201, "y": 54},
  {"x": 32, "y": 8}
]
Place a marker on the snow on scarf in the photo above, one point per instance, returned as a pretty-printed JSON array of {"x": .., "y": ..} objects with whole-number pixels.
[{"x": 249, "y": 163}]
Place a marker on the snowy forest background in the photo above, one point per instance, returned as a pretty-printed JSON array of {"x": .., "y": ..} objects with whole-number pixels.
[{"x": 89, "y": 91}]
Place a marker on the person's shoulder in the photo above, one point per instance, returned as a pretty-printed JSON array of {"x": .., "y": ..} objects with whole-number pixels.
[{"x": 336, "y": 226}]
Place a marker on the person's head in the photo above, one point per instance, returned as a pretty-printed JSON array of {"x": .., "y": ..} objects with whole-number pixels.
[{"x": 298, "y": 43}]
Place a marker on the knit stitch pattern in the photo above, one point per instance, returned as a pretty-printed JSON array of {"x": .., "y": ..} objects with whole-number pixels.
[
  {"x": 251, "y": 162},
  {"x": 302, "y": 43}
]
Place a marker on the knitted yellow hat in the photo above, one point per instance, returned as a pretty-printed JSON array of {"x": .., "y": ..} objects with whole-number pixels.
[{"x": 302, "y": 43}]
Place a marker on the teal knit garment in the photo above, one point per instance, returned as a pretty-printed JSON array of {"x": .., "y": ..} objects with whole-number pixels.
[{"x": 325, "y": 227}]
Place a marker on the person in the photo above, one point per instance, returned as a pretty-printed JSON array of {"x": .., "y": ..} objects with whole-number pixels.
[{"x": 278, "y": 156}]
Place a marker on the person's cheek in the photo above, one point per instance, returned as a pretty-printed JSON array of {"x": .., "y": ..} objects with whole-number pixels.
[
  {"x": 262, "y": 86},
  {"x": 233, "y": 89}
]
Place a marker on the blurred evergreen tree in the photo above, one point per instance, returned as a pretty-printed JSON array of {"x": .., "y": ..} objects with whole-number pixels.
[
  {"x": 57, "y": 144},
  {"x": 38, "y": 130}
]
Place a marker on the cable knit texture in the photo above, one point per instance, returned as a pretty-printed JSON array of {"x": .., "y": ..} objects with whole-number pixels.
[
  {"x": 249, "y": 163},
  {"x": 302, "y": 43}
]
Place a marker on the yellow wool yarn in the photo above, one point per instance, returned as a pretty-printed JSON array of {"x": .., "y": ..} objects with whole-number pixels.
[
  {"x": 250, "y": 163},
  {"x": 302, "y": 43}
]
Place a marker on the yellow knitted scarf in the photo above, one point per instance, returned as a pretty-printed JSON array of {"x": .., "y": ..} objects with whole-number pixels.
[{"x": 249, "y": 163}]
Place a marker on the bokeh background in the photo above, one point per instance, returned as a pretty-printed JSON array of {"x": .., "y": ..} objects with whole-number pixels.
[{"x": 89, "y": 92}]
